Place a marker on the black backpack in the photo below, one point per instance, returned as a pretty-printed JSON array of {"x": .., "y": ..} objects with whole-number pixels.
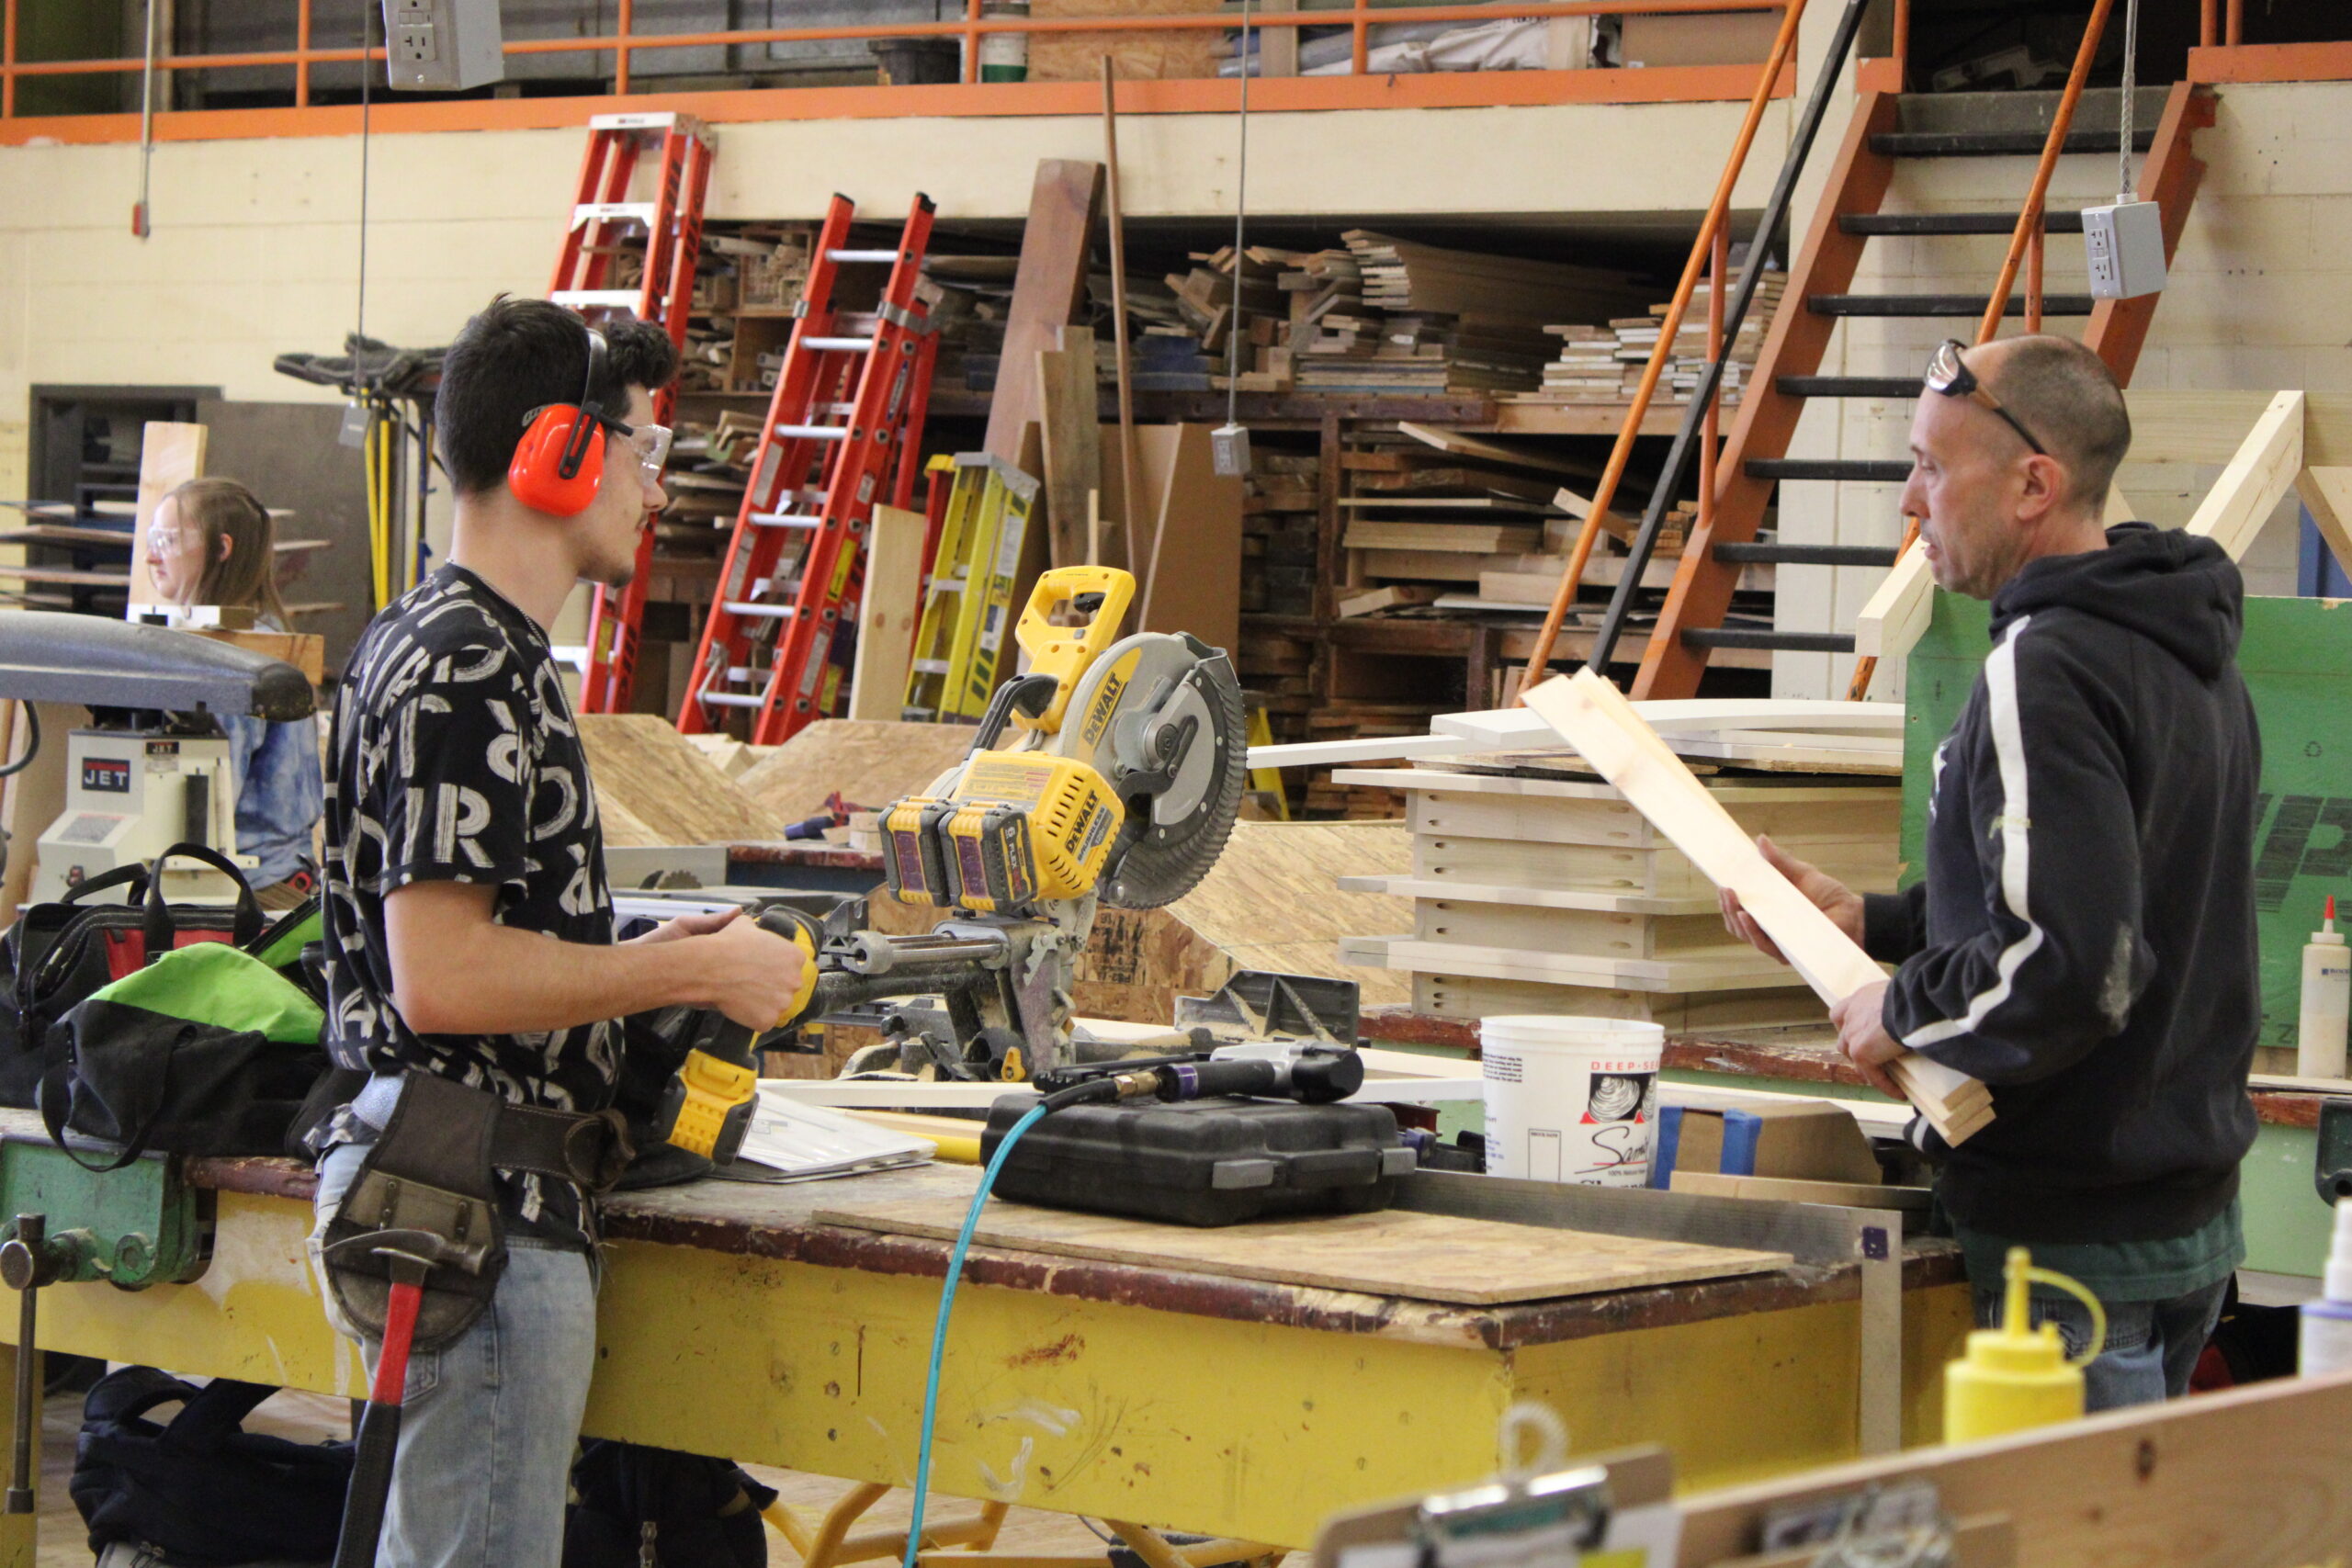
[
  {"x": 645, "y": 1506},
  {"x": 199, "y": 1491}
]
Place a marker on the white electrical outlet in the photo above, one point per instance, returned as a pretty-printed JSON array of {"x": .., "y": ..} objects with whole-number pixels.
[
  {"x": 2125, "y": 246},
  {"x": 440, "y": 46}
]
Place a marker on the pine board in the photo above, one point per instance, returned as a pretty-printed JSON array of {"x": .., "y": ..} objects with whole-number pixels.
[
  {"x": 1465, "y": 538},
  {"x": 664, "y": 787},
  {"x": 1431, "y": 1257},
  {"x": 1580, "y": 933},
  {"x": 1747, "y": 970},
  {"x": 870, "y": 762},
  {"x": 1527, "y": 898},
  {"x": 1606, "y": 730},
  {"x": 1450, "y": 993},
  {"x": 888, "y": 607},
  {"x": 169, "y": 455}
]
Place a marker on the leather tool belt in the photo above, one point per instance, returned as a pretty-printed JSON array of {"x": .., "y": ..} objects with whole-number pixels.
[{"x": 435, "y": 1170}]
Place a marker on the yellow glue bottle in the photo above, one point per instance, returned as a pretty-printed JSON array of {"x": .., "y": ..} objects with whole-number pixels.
[
  {"x": 2327, "y": 1001},
  {"x": 2014, "y": 1377}
]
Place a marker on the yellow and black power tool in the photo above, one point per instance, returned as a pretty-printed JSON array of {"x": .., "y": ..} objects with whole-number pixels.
[
  {"x": 708, "y": 1106},
  {"x": 1110, "y": 771}
]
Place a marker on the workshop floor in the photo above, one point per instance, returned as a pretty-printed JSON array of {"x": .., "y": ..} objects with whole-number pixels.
[{"x": 310, "y": 1418}]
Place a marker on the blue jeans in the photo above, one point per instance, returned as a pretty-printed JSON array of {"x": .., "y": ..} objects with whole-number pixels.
[
  {"x": 2151, "y": 1346},
  {"x": 490, "y": 1419}
]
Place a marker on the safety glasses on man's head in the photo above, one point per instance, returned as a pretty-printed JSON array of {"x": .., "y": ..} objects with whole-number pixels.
[{"x": 1948, "y": 375}]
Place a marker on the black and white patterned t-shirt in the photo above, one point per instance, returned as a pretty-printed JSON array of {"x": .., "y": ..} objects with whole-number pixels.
[{"x": 457, "y": 759}]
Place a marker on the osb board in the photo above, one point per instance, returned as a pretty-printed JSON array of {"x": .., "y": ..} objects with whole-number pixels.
[
  {"x": 1431, "y": 1257},
  {"x": 1270, "y": 902},
  {"x": 1141, "y": 55},
  {"x": 654, "y": 787},
  {"x": 869, "y": 762}
]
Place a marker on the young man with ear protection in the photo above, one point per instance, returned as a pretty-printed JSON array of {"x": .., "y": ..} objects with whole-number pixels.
[{"x": 470, "y": 964}]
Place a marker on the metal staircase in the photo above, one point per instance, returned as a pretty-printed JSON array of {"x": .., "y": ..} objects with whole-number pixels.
[{"x": 1755, "y": 461}]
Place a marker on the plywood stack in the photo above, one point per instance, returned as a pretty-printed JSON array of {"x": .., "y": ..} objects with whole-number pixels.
[{"x": 1555, "y": 895}]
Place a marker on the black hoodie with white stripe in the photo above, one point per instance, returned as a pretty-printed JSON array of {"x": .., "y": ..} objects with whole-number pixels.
[{"x": 2083, "y": 939}]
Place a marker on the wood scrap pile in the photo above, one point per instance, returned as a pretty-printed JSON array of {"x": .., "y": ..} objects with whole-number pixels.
[
  {"x": 654, "y": 787},
  {"x": 1603, "y": 363},
  {"x": 1438, "y": 321},
  {"x": 1137, "y": 962},
  {"x": 868, "y": 763}
]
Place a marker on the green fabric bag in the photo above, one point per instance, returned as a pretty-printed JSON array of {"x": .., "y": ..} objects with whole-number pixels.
[
  {"x": 206, "y": 1051},
  {"x": 213, "y": 983}
]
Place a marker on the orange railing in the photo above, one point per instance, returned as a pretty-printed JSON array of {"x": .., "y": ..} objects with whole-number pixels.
[{"x": 624, "y": 44}]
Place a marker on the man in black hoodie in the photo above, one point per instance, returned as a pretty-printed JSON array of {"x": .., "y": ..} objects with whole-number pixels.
[{"x": 2083, "y": 939}]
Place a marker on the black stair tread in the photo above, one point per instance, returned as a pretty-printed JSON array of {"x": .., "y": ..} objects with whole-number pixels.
[
  {"x": 1847, "y": 385},
  {"x": 1998, "y": 143},
  {"x": 1952, "y": 222},
  {"x": 1938, "y": 305},
  {"x": 1774, "y": 641},
  {"x": 1774, "y": 553},
  {"x": 1826, "y": 468}
]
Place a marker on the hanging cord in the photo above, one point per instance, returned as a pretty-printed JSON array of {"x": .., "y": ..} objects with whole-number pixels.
[
  {"x": 140, "y": 225},
  {"x": 2123, "y": 141},
  {"x": 1240, "y": 209},
  {"x": 32, "y": 742},
  {"x": 367, "y": 80}
]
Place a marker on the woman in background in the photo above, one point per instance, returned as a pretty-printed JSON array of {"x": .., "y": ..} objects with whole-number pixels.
[{"x": 210, "y": 542}]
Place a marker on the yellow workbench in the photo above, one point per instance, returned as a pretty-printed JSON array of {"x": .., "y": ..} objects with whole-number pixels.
[{"x": 732, "y": 1323}]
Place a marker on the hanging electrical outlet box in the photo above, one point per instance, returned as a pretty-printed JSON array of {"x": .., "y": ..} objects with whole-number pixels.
[
  {"x": 1229, "y": 451},
  {"x": 442, "y": 46},
  {"x": 2125, "y": 242}
]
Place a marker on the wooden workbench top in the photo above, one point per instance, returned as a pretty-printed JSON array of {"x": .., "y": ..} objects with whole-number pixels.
[
  {"x": 1801, "y": 1052},
  {"x": 778, "y": 1221}
]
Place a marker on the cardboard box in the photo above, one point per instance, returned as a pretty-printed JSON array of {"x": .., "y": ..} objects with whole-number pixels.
[
  {"x": 1803, "y": 1140},
  {"x": 1699, "y": 38}
]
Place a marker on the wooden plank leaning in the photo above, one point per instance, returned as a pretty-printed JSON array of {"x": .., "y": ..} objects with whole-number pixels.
[{"x": 1594, "y": 719}]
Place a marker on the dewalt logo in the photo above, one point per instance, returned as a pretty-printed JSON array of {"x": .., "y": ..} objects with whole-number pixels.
[{"x": 1106, "y": 703}]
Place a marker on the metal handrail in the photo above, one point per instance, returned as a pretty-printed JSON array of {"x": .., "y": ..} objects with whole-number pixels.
[
  {"x": 623, "y": 42},
  {"x": 1718, "y": 216}
]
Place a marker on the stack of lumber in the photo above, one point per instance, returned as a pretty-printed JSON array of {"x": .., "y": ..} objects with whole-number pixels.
[
  {"x": 1555, "y": 895},
  {"x": 1279, "y": 502},
  {"x": 654, "y": 787},
  {"x": 1603, "y": 362},
  {"x": 867, "y": 762}
]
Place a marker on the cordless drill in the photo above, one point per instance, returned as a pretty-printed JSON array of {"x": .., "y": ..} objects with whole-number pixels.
[{"x": 707, "y": 1107}]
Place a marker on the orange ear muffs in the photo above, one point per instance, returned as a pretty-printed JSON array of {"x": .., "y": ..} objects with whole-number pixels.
[
  {"x": 552, "y": 472},
  {"x": 561, "y": 460}
]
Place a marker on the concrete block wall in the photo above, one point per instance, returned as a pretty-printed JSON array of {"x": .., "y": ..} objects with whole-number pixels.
[{"x": 2259, "y": 297}]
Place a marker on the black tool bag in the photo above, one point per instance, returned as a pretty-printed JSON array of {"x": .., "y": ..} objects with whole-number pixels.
[
  {"x": 640, "y": 1507},
  {"x": 60, "y": 952},
  {"x": 200, "y": 1490}
]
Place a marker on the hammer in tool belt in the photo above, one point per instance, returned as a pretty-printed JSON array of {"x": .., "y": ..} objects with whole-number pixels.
[{"x": 413, "y": 1255}]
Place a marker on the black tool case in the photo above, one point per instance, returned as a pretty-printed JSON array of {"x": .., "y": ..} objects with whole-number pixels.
[{"x": 1201, "y": 1162}]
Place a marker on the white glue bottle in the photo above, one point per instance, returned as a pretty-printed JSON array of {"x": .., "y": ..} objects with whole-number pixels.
[
  {"x": 2327, "y": 1002},
  {"x": 2326, "y": 1337}
]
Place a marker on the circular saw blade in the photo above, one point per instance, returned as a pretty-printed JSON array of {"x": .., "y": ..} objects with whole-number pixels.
[{"x": 1189, "y": 821}]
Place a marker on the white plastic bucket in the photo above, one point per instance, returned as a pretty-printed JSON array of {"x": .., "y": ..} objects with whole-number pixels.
[{"x": 1571, "y": 1099}]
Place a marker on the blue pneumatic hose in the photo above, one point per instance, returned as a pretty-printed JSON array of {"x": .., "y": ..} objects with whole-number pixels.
[{"x": 947, "y": 1306}]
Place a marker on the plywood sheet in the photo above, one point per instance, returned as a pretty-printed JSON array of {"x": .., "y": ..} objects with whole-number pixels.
[
  {"x": 887, "y": 614},
  {"x": 869, "y": 762},
  {"x": 652, "y": 781},
  {"x": 1048, "y": 290},
  {"x": 1142, "y": 55},
  {"x": 1432, "y": 1258}
]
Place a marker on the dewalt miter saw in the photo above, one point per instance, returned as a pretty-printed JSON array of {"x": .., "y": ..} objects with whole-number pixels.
[{"x": 1112, "y": 770}]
